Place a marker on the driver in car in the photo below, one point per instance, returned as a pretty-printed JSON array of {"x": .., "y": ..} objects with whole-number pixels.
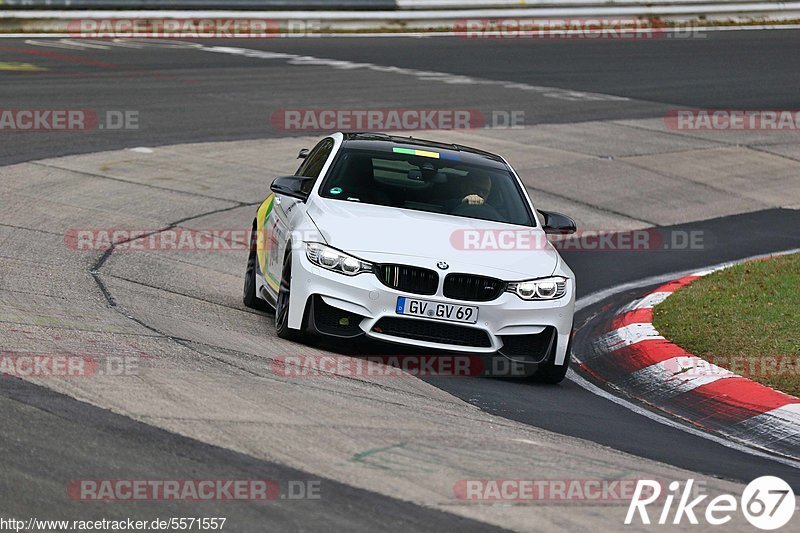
[{"x": 474, "y": 190}]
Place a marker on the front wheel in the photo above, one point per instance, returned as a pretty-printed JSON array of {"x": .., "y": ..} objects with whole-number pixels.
[{"x": 551, "y": 373}]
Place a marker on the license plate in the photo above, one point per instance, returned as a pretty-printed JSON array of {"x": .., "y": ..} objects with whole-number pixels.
[{"x": 436, "y": 310}]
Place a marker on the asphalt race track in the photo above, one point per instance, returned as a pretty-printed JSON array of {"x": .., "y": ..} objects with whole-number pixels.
[
  {"x": 200, "y": 92},
  {"x": 176, "y": 92}
]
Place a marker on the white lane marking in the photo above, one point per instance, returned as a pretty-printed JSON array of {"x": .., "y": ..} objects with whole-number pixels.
[
  {"x": 789, "y": 414},
  {"x": 426, "y": 75},
  {"x": 678, "y": 375},
  {"x": 781, "y": 425},
  {"x": 107, "y": 44},
  {"x": 424, "y": 34},
  {"x": 628, "y": 335},
  {"x": 647, "y": 302},
  {"x": 599, "y": 296},
  {"x": 594, "y": 389},
  {"x": 653, "y": 299},
  {"x": 528, "y": 441},
  {"x": 706, "y": 272},
  {"x": 154, "y": 43},
  {"x": 71, "y": 44}
]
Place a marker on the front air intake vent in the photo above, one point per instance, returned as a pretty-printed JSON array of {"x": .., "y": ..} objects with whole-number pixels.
[{"x": 408, "y": 278}]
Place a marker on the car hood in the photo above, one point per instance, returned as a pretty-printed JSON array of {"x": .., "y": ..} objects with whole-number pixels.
[{"x": 379, "y": 233}]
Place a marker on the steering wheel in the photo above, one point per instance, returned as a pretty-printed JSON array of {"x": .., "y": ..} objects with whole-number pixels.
[{"x": 483, "y": 211}]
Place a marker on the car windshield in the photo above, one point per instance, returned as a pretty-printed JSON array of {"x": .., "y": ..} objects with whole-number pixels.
[{"x": 404, "y": 178}]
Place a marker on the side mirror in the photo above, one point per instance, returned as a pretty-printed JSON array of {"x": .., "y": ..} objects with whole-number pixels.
[
  {"x": 557, "y": 224},
  {"x": 293, "y": 186},
  {"x": 303, "y": 153}
]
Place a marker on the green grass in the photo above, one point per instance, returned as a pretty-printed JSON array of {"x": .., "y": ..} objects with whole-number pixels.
[{"x": 744, "y": 318}]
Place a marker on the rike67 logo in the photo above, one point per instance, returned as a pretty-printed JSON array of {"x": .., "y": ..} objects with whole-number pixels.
[{"x": 767, "y": 502}]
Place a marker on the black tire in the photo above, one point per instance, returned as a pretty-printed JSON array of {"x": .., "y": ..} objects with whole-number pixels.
[
  {"x": 282, "y": 305},
  {"x": 249, "y": 297},
  {"x": 551, "y": 373}
]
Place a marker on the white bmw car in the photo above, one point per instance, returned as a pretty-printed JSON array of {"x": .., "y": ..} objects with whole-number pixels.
[{"x": 413, "y": 242}]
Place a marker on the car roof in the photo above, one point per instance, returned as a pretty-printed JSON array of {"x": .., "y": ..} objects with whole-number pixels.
[{"x": 385, "y": 142}]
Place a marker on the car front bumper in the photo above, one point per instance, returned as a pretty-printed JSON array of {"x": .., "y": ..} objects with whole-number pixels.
[{"x": 364, "y": 295}]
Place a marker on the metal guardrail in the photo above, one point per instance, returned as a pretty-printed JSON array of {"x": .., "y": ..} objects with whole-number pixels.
[
  {"x": 337, "y": 5},
  {"x": 53, "y": 16},
  {"x": 512, "y": 4},
  {"x": 200, "y": 4},
  {"x": 567, "y": 8}
]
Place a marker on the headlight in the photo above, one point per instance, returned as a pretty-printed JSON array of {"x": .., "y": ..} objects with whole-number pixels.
[
  {"x": 332, "y": 259},
  {"x": 539, "y": 289}
]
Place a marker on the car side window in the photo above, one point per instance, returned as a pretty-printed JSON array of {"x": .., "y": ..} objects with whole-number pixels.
[{"x": 315, "y": 160}]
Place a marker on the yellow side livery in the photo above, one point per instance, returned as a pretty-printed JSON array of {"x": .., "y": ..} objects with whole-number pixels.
[{"x": 262, "y": 246}]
